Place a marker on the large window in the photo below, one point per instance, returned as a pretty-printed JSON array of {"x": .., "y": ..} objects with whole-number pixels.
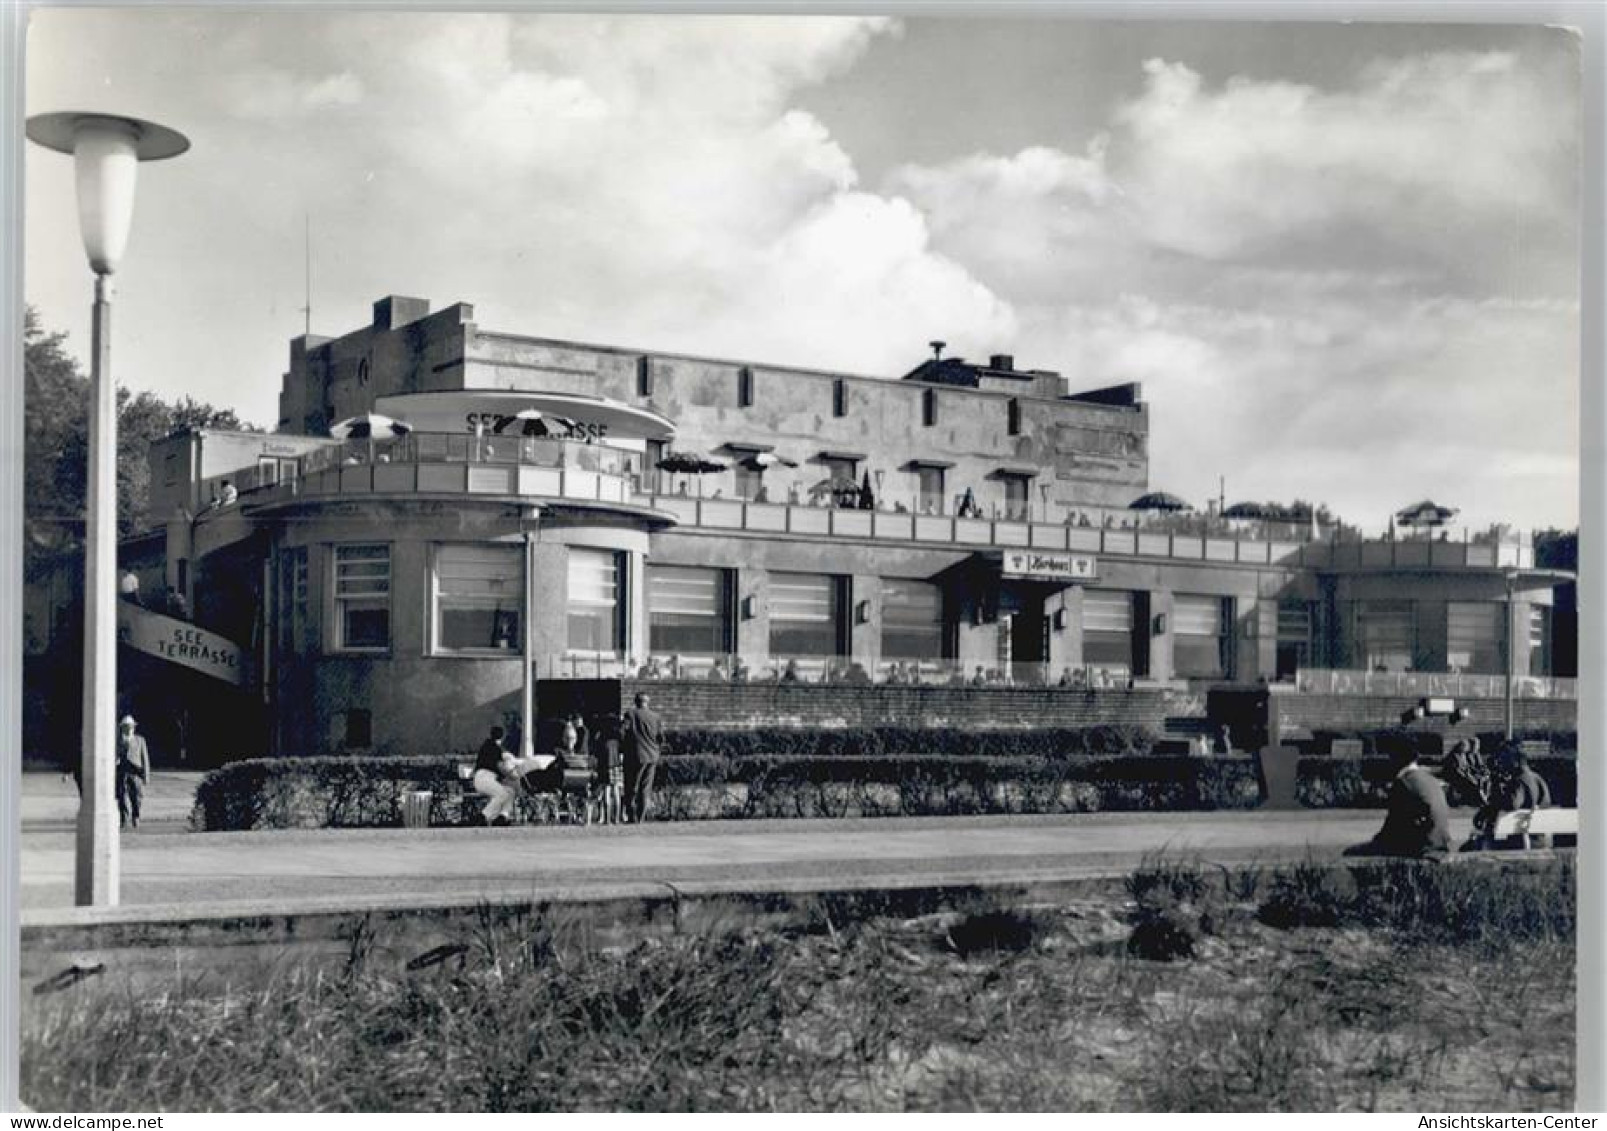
[
  {"x": 1294, "y": 636},
  {"x": 748, "y": 479},
  {"x": 363, "y": 598},
  {"x": 1474, "y": 641},
  {"x": 689, "y": 610},
  {"x": 912, "y": 620},
  {"x": 1107, "y": 628},
  {"x": 840, "y": 468},
  {"x": 1385, "y": 635},
  {"x": 477, "y": 598},
  {"x": 596, "y": 623},
  {"x": 806, "y": 614},
  {"x": 1201, "y": 636}
]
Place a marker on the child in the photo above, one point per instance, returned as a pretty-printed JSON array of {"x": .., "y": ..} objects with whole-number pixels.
[{"x": 609, "y": 782}]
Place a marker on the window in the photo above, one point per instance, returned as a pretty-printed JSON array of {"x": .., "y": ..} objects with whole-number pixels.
[
  {"x": 359, "y": 728},
  {"x": 1539, "y": 640},
  {"x": 806, "y": 614},
  {"x": 595, "y": 623},
  {"x": 652, "y": 475},
  {"x": 930, "y": 482},
  {"x": 1013, "y": 417},
  {"x": 912, "y": 620},
  {"x": 170, "y": 469},
  {"x": 840, "y": 468},
  {"x": 1294, "y": 636},
  {"x": 1015, "y": 496},
  {"x": 928, "y": 407},
  {"x": 1201, "y": 636},
  {"x": 292, "y": 609},
  {"x": 644, "y": 376},
  {"x": 1385, "y": 635},
  {"x": 1107, "y": 623},
  {"x": 748, "y": 479},
  {"x": 744, "y": 387},
  {"x": 363, "y": 598},
  {"x": 478, "y": 598},
  {"x": 689, "y": 610},
  {"x": 1474, "y": 641},
  {"x": 839, "y": 397},
  {"x": 267, "y": 471}
]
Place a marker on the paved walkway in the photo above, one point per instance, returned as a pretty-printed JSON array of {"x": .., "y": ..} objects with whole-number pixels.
[{"x": 165, "y": 864}]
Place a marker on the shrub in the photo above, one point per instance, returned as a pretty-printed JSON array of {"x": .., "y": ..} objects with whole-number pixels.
[
  {"x": 1174, "y": 905},
  {"x": 1054, "y": 742},
  {"x": 1363, "y": 783}
]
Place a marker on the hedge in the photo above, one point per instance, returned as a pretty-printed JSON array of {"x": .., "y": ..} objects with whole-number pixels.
[
  {"x": 1324, "y": 782},
  {"x": 1050, "y": 742},
  {"x": 359, "y": 792}
]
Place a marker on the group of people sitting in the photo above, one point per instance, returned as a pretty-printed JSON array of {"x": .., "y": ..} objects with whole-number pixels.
[
  {"x": 611, "y": 778},
  {"x": 1418, "y": 818}
]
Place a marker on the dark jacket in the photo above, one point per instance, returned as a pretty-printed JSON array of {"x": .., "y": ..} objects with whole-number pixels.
[
  {"x": 1419, "y": 819},
  {"x": 490, "y": 756},
  {"x": 1512, "y": 794},
  {"x": 642, "y": 732}
]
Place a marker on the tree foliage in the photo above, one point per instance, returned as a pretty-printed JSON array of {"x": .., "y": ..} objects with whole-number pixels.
[{"x": 56, "y": 447}]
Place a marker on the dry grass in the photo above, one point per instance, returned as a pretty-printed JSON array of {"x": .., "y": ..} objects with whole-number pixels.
[{"x": 1389, "y": 1006}]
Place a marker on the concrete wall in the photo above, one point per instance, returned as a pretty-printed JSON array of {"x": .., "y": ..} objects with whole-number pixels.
[{"x": 1309, "y": 712}]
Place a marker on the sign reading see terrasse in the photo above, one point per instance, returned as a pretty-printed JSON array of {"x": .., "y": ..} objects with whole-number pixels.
[
  {"x": 178, "y": 642},
  {"x": 1050, "y": 567}
]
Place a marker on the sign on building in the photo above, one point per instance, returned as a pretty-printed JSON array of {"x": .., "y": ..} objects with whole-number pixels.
[
  {"x": 179, "y": 642},
  {"x": 1041, "y": 566}
]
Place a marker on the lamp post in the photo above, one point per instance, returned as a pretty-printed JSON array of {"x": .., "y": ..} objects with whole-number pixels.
[
  {"x": 106, "y": 151},
  {"x": 528, "y": 526}
]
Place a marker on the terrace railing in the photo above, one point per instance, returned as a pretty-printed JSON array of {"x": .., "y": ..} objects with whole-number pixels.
[{"x": 1455, "y": 685}]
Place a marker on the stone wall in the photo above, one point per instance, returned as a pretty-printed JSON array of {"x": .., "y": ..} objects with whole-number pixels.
[{"x": 1307, "y": 712}]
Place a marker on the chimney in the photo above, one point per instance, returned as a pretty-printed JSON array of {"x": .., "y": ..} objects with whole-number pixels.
[
  {"x": 395, "y": 311},
  {"x": 1003, "y": 361},
  {"x": 937, "y": 350}
]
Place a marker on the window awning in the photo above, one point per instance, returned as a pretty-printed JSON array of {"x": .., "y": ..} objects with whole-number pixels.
[
  {"x": 744, "y": 448},
  {"x": 915, "y": 464},
  {"x": 1013, "y": 473},
  {"x": 833, "y": 454}
]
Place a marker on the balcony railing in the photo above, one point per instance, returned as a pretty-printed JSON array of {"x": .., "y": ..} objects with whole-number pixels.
[
  {"x": 843, "y": 671},
  {"x": 1139, "y": 541},
  {"x": 1454, "y": 685}
]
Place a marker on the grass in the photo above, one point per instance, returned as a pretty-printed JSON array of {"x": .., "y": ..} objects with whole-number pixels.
[{"x": 1423, "y": 989}]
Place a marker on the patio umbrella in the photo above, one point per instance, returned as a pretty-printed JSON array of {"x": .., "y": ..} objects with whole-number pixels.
[
  {"x": 1158, "y": 501},
  {"x": 368, "y": 426},
  {"x": 835, "y": 487},
  {"x": 534, "y": 422},
  {"x": 1425, "y": 513},
  {"x": 758, "y": 461},
  {"x": 690, "y": 463},
  {"x": 1245, "y": 510}
]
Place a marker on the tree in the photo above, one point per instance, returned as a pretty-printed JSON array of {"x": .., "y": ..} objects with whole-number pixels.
[{"x": 56, "y": 447}]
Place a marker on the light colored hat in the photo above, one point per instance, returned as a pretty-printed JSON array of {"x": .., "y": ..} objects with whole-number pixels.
[{"x": 128, "y": 721}]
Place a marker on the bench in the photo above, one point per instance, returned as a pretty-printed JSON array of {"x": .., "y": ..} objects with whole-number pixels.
[{"x": 1527, "y": 823}]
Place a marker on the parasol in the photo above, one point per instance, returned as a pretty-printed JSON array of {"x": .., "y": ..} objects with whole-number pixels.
[
  {"x": 1158, "y": 501},
  {"x": 534, "y": 422},
  {"x": 690, "y": 463},
  {"x": 1425, "y": 513},
  {"x": 367, "y": 426}
]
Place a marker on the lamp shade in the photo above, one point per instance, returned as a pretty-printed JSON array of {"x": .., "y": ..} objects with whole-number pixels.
[{"x": 106, "y": 150}]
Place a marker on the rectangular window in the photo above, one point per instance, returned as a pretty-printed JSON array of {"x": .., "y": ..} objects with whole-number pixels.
[
  {"x": 840, "y": 469},
  {"x": 930, "y": 480},
  {"x": 1474, "y": 641},
  {"x": 806, "y": 614},
  {"x": 689, "y": 610},
  {"x": 929, "y": 407},
  {"x": 748, "y": 479},
  {"x": 839, "y": 397},
  {"x": 1107, "y": 623},
  {"x": 477, "y": 598},
  {"x": 1013, "y": 417},
  {"x": 912, "y": 620},
  {"x": 1294, "y": 636},
  {"x": 644, "y": 376},
  {"x": 596, "y": 623},
  {"x": 1539, "y": 640},
  {"x": 1201, "y": 628},
  {"x": 363, "y": 598},
  {"x": 267, "y": 471},
  {"x": 744, "y": 387},
  {"x": 292, "y": 608},
  {"x": 653, "y": 477},
  {"x": 1016, "y": 488},
  {"x": 1385, "y": 635}
]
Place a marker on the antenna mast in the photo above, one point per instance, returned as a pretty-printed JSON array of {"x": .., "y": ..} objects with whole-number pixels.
[{"x": 307, "y": 260}]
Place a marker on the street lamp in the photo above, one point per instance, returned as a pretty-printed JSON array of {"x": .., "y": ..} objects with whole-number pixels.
[{"x": 106, "y": 151}]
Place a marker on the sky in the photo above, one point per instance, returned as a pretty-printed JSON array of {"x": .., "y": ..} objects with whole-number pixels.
[{"x": 1343, "y": 260}]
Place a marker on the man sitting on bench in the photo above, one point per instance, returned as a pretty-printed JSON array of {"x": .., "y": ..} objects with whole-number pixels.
[
  {"x": 497, "y": 775},
  {"x": 1514, "y": 788}
]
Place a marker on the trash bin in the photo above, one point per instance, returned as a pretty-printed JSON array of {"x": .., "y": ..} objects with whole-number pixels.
[{"x": 416, "y": 809}]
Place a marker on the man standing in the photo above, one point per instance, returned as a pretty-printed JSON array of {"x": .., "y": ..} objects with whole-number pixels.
[
  {"x": 133, "y": 772},
  {"x": 643, "y": 735}
]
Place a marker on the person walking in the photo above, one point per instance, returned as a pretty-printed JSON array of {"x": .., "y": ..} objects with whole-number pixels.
[
  {"x": 642, "y": 732},
  {"x": 133, "y": 771}
]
